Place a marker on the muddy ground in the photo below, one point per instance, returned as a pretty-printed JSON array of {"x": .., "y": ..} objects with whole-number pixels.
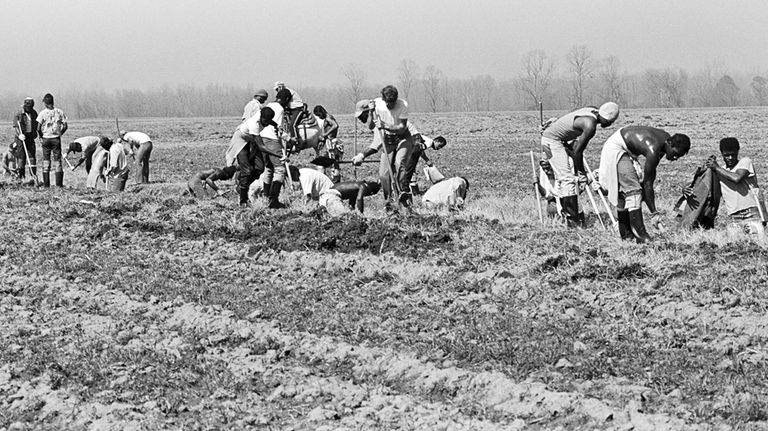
[{"x": 152, "y": 310}]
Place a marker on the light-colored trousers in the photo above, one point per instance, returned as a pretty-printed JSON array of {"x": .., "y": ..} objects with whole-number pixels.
[
  {"x": 398, "y": 156},
  {"x": 566, "y": 182}
]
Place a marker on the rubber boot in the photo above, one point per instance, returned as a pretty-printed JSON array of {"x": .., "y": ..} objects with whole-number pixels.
[
  {"x": 570, "y": 211},
  {"x": 46, "y": 179},
  {"x": 625, "y": 230},
  {"x": 243, "y": 197},
  {"x": 265, "y": 190},
  {"x": 59, "y": 178},
  {"x": 638, "y": 227},
  {"x": 274, "y": 195}
]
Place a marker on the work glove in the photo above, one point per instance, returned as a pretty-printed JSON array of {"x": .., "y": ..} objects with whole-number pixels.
[
  {"x": 21, "y": 137},
  {"x": 358, "y": 159}
]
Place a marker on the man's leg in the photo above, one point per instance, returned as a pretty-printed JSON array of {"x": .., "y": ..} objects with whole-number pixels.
[
  {"x": 32, "y": 150},
  {"x": 565, "y": 182},
  {"x": 632, "y": 192},
  {"x": 410, "y": 167},
  {"x": 385, "y": 179},
  {"x": 21, "y": 160},
  {"x": 144, "y": 157},
  {"x": 404, "y": 149},
  {"x": 622, "y": 216},
  {"x": 47, "y": 148},
  {"x": 58, "y": 168},
  {"x": 246, "y": 174},
  {"x": 277, "y": 168}
]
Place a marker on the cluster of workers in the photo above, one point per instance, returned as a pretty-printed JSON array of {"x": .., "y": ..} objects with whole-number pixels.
[
  {"x": 258, "y": 154},
  {"x": 563, "y": 175}
]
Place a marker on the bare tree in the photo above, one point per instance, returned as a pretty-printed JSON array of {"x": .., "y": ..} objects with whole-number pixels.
[
  {"x": 726, "y": 92},
  {"x": 612, "y": 80},
  {"x": 433, "y": 78},
  {"x": 666, "y": 88},
  {"x": 356, "y": 77},
  {"x": 407, "y": 74},
  {"x": 536, "y": 75},
  {"x": 760, "y": 89},
  {"x": 581, "y": 66}
]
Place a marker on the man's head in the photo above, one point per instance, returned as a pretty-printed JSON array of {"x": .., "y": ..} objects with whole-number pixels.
[
  {"x": 261, "y": 95},
  {"x": 48, "y": 100},
  {"x": 371, "y": 187},
  {"x": 729, "y": 149},
  {"x": 361, "y": 110},
  {"x": 105, "y": 142},
  {"x": 389, "y": 95},
  {"x": 607, "y": 114},
  {"x": 284, "y": 97},
  {"x": 677, "y": 146},
  {"x": 440, "y": 142},
  {"x": 279, "y": 85},
  {"x": 29, "y": 103},
  {"x": 320, "y": 112},
  {"x": 74, "y": 147},
  {"x": 267, "y": 116}
]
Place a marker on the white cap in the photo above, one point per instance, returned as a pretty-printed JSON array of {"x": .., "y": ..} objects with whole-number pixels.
[{"x": 609, "y": 111}]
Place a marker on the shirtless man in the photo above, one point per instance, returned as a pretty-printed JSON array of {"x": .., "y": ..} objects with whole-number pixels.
[
  {"x": 568, "y": 161},
  {"x": 620, "y": 173},
  {"x": 207, "y": 178},
  {"x": 351, "y": 191}
]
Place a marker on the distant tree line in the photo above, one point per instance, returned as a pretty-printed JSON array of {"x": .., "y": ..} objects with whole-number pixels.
[{"x": 577, "y": 79}]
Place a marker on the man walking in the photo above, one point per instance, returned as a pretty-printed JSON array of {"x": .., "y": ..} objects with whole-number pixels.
[
  {"x": 568, "y": 161},
  {"x": 25, "y": 126},
  {"x": 52, "y": 123},
  {"x": 620, "y": 173}
]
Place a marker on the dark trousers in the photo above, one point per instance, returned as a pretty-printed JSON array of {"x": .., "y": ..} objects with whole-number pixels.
[
  {"x": 51, "y": 155},
  {"x": 29, "y": 142},
  {"x": 251, "y": 163}
]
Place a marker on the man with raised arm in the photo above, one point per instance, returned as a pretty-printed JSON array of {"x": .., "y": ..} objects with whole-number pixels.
[
  {"x": 627, "y": 182},
  {"x": 567, "y": 160}
]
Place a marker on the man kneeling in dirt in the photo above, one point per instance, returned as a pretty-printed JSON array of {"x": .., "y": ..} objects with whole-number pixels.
[
  {"x": 197, "y": 184},
  {"x": 117, "y": 169},
  {"x": 313, "y": 182},
  {"x": 739, "y": 189},
  {"x": 450, "y": 193},
  {"x": 351, "y": 191},
  {"x": 626, "y": 183}
]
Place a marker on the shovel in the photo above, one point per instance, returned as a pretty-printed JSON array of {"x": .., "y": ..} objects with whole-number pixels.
[{"x": 328, "y": 162}]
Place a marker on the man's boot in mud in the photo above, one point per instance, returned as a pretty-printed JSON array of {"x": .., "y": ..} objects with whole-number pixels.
[
  {"x": 570, "y": 211},
  {"x": 274, "y": 195},
  {"x": 59, "y": 178},
  {"x": 625, "y": 230},
  {"x": 638, "y": 227},
  {"x": 46, "y": 179},
  {"x": 265, "y": 190},
  {"x": 243, "y": 197},
  {"x": 405, "y": 201}
]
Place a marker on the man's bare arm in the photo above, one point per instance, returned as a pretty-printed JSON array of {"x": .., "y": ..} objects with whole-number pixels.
[
  {"x": 649, "y": 177},
  {"x": 360, "y": 202},
  {"x": 588, "y": 126}
]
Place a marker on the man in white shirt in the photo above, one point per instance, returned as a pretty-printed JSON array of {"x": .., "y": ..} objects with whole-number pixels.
[
  {"x": 451, "y": 192},
  {"x": 313, "y": 182},
  {"x": 390, "y": 117},
  {"x": 117, "y": 167},
  {"x": 253, "y": 107},
  {"x": 87, "y": 145},
  {"x": 141, "y": 144},
  {"x": 273, "y": 145},
  {"x": 51, "y": 124}
]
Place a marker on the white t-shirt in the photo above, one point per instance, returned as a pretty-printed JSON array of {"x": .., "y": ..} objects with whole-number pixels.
[
  {"x": 87, "y": 141},
  {"x": 51, "y": 122},
  {"x": 252, "y": 126},
  {"x": 136, "y": 138},
  {"x": 251, "y": 109},
  {"x": 389, "y": 117},
  {"x": 270, "y": 132},
  {"x": 314, "y": 182},
  {"x": 117, "y": 159},
  {"x": 738, "y": 196},
  {"x": 446, "y": 192}
]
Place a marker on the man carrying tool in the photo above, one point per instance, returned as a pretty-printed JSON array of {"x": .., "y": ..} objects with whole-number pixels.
[
  {"x": 87, "y": 145},
  {"x": 313, "y": 182},
  {"x": 140, "y": 144},
  {"x": 353, "y": 192},
  {"x": 51, "y": 124},
  {"x": 739, "y": 188},
  {"x": 255, "y": 105},
  {"x": 390, "y": 117},
  {"x": 25, "y": 127},
  {"x": 117, "y": 167},
  {"x": 245, "y": 149},
  {"x": 273, "y": 141},
  {"x": 620, "y": 173},
  {"x": 197, "y": 184},
  {"x": 568, "y": 161}
]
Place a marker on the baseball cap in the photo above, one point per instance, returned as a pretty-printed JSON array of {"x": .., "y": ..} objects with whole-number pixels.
[
  {"x": 279, "y": 84},
  {"x": 260, "y": 92},
  {"x": 360, "y": 107}
]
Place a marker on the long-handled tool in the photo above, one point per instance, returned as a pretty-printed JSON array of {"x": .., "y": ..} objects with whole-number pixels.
[
  {"x": 594, "y": 206},
  {"x": 106, "y": 172},
  {"x": 328, "y": 162},
  {"x": 756, "y": 195},
  {"x": 354, "y": 146},
  {"x": 602, "y": 198},
  {"x": 29, "y": 164},
  {"x": 536, "y": 189},
  {"x": 288, "y": 170},
  {"x": 393, "y": 180}
]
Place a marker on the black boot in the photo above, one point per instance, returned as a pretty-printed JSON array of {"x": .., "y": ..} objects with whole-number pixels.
[
  {"x": 243, "y": 197},
  {"x": 46, "y": 179},
  {"x": 570, "y": 210},
  {"x": 638, "y": 227},
  {"x": 274, "y": 195},
  {"x": 625, "y": 230},
  {"x": 265, "y": 190},
  {"x": 59, "y": 178}
]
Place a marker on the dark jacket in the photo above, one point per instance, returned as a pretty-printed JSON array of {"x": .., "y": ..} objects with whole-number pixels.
[{"x": 21, "y": 117}]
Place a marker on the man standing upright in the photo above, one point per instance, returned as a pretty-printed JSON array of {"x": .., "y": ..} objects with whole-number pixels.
[
  {"x": 52, "y": 123},
  {"x": 390, "y": 117},
  {"x": 568, "y": 161},
  {"x": 25, "y": 125},
  {"x": 273, "y": 145}
]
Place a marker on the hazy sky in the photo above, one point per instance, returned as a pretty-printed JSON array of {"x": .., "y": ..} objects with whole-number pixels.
[{"x": 110, "y": 44}]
